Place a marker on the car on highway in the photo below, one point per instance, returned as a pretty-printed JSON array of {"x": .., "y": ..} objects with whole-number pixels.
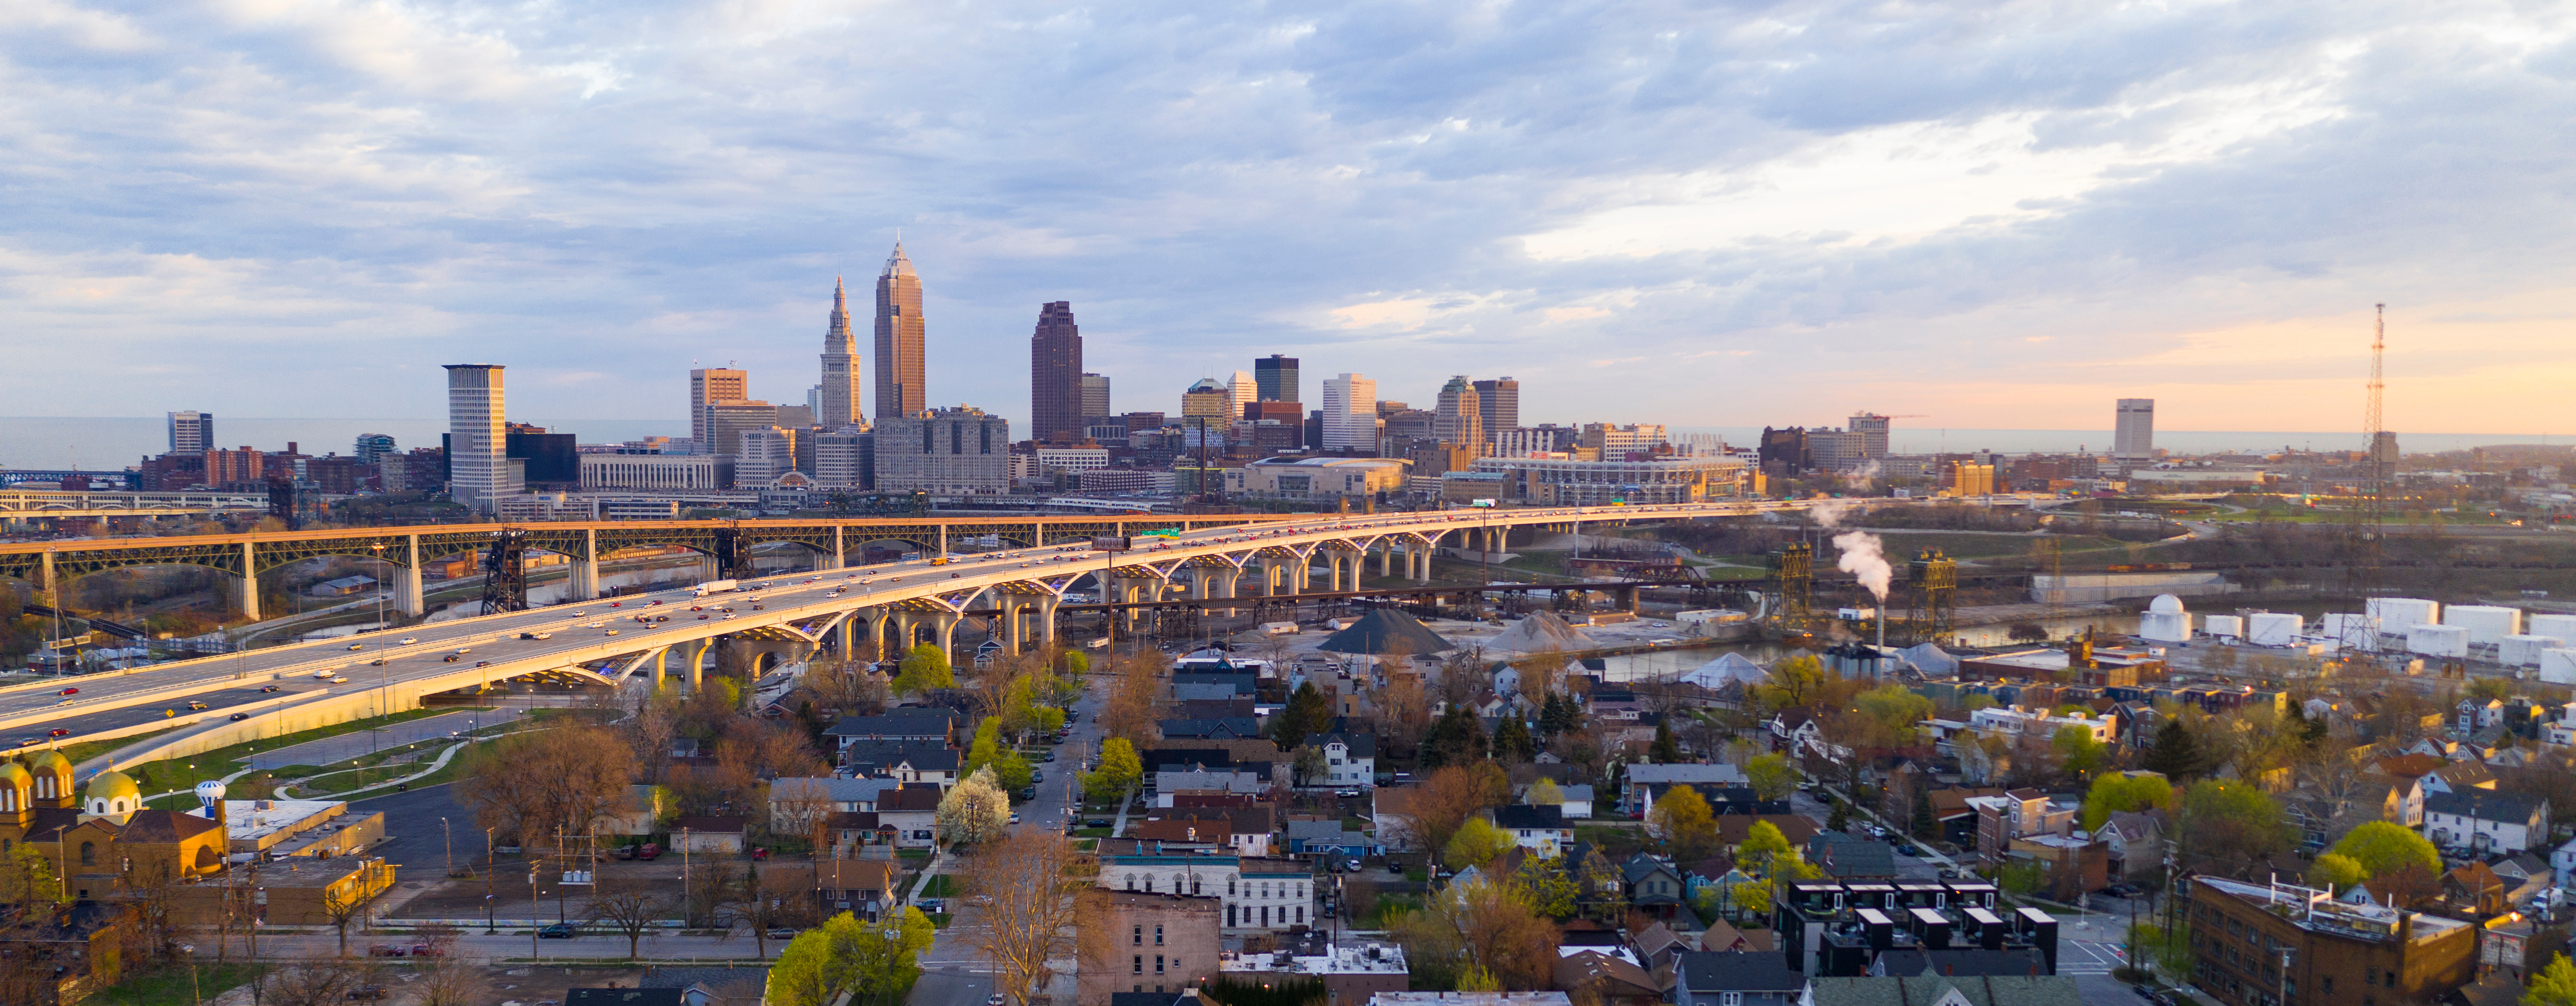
[
  {"x": 482, "y": 663},
  {"x": 378, "y": 662},
  {"x": 195, "y": 706},
  {"x": 267, "y": 689},
  {"x": 408, "y": 640},
  {"x": 593, "y": 625},
  {"x": 68, "y": 691},
  {"x": 357, "y": 646},
  {"x": 558, "y": 931},
  {"x": 339, "y": 679},
  {"x": 536, "y": 635},
  {"x": 58, "y": 732},
  {"x": 451, "y": 658}
]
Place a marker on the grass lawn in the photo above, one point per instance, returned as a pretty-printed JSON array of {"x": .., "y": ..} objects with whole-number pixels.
[
  {"x": 174, "y": 986},
  {"x": 912, "y": 854},
  {"x": 941, "y": 885},
  {"x": 939, "y": 920},
  {"x": 219, "y": 763},
  {"x": 1091, "y": 833}
]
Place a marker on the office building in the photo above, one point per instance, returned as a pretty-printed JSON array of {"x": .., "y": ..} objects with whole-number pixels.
[
  {"x": 947, "y": 452},
  {"x": 1461, "y": 418},
  {"x": 2133, "y": 442},
  {"x": 372, "y": 446},
  {"x": 835, "y": 402},
  {"x": 797, "y": 417},
  {"x": 1350, "y": 413},
  {"x": 1872, "y": 428},
  {"x": 1611, "y": 442},
  {"x": 1055, "y": 375},
  {"x": 766, "y": 454},
  {"x": 707, "y": 386},
  {"x": 843, "y": 459},
  {"x": 900, "y": 337},
  {"x": 1241, "y": 390},
  {"x": 1095, "y": 400},
  {"x": 1498, "y": 403},
  {"x": 703, "y": 473},
  {"x": 192, "y": 432},
  {"x": 1275, "y": 378},
  {"x": 1837, "y": 450},
  {"x": 2256, "y": 941},
  {"x": 1969, "y": 479},
  {"x": 547, "y": 459},
  {"x": 1573, "y": 482},
  {"x": 1207, "y": 400},
  {"x": 1072, "y": 459},
  {"x": 725, "y": 423},
  {"x": 478, "y": 443}
]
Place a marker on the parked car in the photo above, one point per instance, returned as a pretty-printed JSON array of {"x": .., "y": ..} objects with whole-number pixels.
[
  {"x": 1346, "y": 793},
  {"x": 558, "y": 931},
  {"x": 367, "y": 993},
  {"x": 381, "y": 950},
  {"x": 782, "y": 933}
]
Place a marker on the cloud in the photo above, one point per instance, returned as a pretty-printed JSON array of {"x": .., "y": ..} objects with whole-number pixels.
[{"x": 2025, "y": 209}]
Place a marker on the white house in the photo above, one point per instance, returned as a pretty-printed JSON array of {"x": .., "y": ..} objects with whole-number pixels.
[
  {"x": 1349, "y": 759},
  {"x": 2564, "y": 861},
  {"x": 1541, "y": 829},
  {"x": 2485, "y": 822}
]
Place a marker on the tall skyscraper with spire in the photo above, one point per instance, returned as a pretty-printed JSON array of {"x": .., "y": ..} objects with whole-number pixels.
[
  {"x": 900, "y": 334},
  {"x": 838, "y": 405},
  {"x": 1055, "y": 375}
]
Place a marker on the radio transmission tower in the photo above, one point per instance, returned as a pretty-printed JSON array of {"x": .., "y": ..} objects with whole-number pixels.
[{"x": 2361, "y": 573}]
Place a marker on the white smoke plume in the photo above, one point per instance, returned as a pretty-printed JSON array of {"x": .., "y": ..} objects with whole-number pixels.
[
  {"x": 1862, "y": 477},
  {"x": 1863, "y": 555}
]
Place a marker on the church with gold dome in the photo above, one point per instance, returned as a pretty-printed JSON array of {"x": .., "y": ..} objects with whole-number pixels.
[{"x": 101, "y": 838}]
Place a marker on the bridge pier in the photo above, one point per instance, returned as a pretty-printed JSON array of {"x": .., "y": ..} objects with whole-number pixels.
[
  {"x": 1046, "y": 619},
  {"x": 249, "y": 583},
  {"x": 1386, "y": 557},
  {"x": 836, "y": 561}
]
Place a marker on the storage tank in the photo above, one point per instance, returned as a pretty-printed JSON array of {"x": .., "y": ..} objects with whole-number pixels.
[
  {"x": 2352, "y": 632},
  {"x": 2558, "y": 666},
  {"x": 2273, "y": 628},
  {"x": 2438, "y": 640},
  {"x": 2561, "y": 626},
  {"x": 2525, "y": 650},
  {"x": 2166, "y": 621},
  {"x": 2224, "y": 625},
  {"x": 2396, "y": 611},
  {"x": 2487, "y": 624}
]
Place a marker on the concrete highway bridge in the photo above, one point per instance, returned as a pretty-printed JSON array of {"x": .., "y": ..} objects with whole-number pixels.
[
  {"x": 24, "y": 504},
  {"x": 865, "y": 611}
]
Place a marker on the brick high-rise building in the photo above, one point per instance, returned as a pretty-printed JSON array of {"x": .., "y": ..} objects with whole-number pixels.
[
  {"x": 950, "y": 452},
  {"x": 901, "y": 334},
  {"x": 837, "y": 402},
  {"x": 1055, "y": 375},
  {"x": 233, "y": 467}
]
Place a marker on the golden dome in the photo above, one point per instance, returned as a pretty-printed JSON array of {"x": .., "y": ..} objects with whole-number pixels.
[
  {"x": 50, "y": 761},
  {"x": 14, "y": 774},
  {"x": 111, "y": 784}
]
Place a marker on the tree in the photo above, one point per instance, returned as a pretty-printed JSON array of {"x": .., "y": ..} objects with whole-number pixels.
[
  {"x": 1130, "y": 711},
  {"x": 1547, "y": 887},
  {"x": 1682, "y": 818},
  {"x": 924, "y": 668},
  {"x": 1840, "y": 818},
  {"x": 1665, "y": 750},
  {"x": 2078, "y": 754},
  {"x": 2336, "y": 871},
  {"x": 1486, "y": 924},
  {"x": 1443, "y": 803},
  {"x": 2175, "y": 753},
  {"x": 2380, "y": 847},
  {"x": 843, "y": 954},
  {"x": 1771, "y": 777},
  {"x": 973, "y": 811},
  {"x": 1077, "y": 663},
  {"x": 986, "y": 748},
  {"x": 1308, "y": 712},
  {"x": 1792, "y": 683},
  {"x": 1118, "y": 773},
  {"x": 1544, "y": 793},
  {"x": 1308, "y": 764},
  {"x": 1457, "y": 739},
  {"x": 29, "y": 877},
  {"x": 1015, "y": 772},
  {"x": 2555, "y": 985},
  {"x": 806, "y": 974},
  {"x": 1030, "y": 882},
  {"x": 1512, "y": 740},
  {"x": 1476, "y": 843},
  {"x": 630, "y": 908},
  {"x": 1893, "y": 713},
  {"x": 1752, "y": 897},
  {"x": 2120, "y": 794},
  {"x": 533, "y": 784},
  {"x": 1924, "y": 826},
  {"x": 2232, "y": 822}
]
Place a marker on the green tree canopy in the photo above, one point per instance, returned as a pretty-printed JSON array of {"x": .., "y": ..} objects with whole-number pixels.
[
  {"x": 1543, "y": 793},
  {"x": 1308, "y": 712},
  {"x": 2078, "y": 754},
  {"x": 1456, "y": 739},
  {"x": 2337, "y": 871},
  {"x": 1894, "y": 709},
  {"x": 2382, "y": 847},
  {"x": 1118, "y": 772},
  {"x": 1475, "y": 843},
  {"x": 2120, "y": 794},
  {"x": 1545, "y": 885},
  {"x": 925, "y": 667},
  {"x": 2555, "y": 985},
  {"x": 1512, "y": 740},
  {"x": 1761, "y": 842},
  {"x": 1772, "y": 776},
  {"x": 2230, "y": 820},
  {"x": 2175, "y": 753}
]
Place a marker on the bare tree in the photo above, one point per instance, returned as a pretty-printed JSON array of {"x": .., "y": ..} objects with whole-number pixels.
[
  {"x": 542, "y": 782},
  {"x": 629, "y": 908},
  {"x": 343, "y": 909},
  {"x": 448, "y": 981},
  {"x": 307, "y": 981},
  {"x": 1030, "y": 881}
]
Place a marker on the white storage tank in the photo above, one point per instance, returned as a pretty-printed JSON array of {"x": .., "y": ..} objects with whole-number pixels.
[
  {"x": 2165, "y": 621},
  {"x": 2487, "y": 624},
  {"x": 2438, "y": 640},
  {"x": 2561, "y": 626},
  {"x": 2272, "y": 628},
  {"x": 2352, "y": 632},
  {"x": 2394, "y": 612},
  {"x": 2525, "y": 650},
  {"x": 2558, "y": 666},
  {"x": 2224, "y": 625}
]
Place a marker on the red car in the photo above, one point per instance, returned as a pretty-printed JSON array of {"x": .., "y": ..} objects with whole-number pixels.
[
  {"x": 68, "y": 691},
  {"x": 58, "y": 732}
]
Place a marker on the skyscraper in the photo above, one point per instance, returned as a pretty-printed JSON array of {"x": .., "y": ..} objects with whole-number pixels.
[
  {"x": 477, "y": 441},
  {"x": 1872, "y": 428},
  {"x": 2133, "y": 442},
  {"x": 1055, "y": 375},
  {"x": 708, "y": 386},
  {"x": 192, "y": 432},
  {"x": 1498, "y": 405},
  {"x": 1276, "y": 378},
  {"x": 1460, "y": 419},
  {"x": 1240, "y": 390},
  {"x": 900, "y": 334},
  {"x": 1095, "y": 398},
  {"x": 372, "y": 446},
  {"x": 838, "y": 405},
  {"x": 1207, "y": 399},
  {"x": 1350, "y": 413}
]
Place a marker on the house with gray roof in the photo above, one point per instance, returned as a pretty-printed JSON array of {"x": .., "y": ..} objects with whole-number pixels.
[
  {"x": 1736, "y": 978},
  {"x": 1996, "y": 990},
  {"x": 1228, "y": 727},
  {"x": 1851, "y": 857}
]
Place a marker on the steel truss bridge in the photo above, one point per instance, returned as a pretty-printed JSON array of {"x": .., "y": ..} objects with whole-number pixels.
[{"x": 863, "y": 612}]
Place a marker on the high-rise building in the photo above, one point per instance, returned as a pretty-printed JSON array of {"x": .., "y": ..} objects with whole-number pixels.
[
  {"x": 766, "y": 454},
  {"x": 844, "y": 459},
  {"x": 836, "y": 401},
  {"x": 225, "y": 468},
  {"x": 1350, "y": 413},
  {"x": 726, "y": 422},
  {"x": 1055, "y": 375},
  {"x": 948, "y": 452},
  {"x": 1095, "y": 399},
  {"x": 1461, "y": 418},
  {"x": 1612, "y": 442},
  {"x": 1241, "y": 390},
  {"x": 477, "y": 460},
  {"x": 547, "y": 459},
  {"x": 1498, "y": 404},
  {"x": 1872, "y": 428},
  {"x": 372, "y": 446},
  {"x": 192, "y": 432},
  {"x": 1275, "y": 377},
  {"x": 900, "y": 337},
  {"x": 707, "y": 386},
  {"x": 1208, "y": 400},
  {"x": 2133, "y": 442}
]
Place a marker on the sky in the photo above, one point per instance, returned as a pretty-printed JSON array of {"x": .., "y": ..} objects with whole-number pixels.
[{"x": 1996, "y": 215}]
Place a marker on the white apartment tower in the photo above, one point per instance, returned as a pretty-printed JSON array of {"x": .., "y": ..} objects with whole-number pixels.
[
  {"x": 1350, "y": 413},
  {"x": 838, "y": 404},
  {"x": 2133, "y": 442},
  {"x": 477, "y": 443}
]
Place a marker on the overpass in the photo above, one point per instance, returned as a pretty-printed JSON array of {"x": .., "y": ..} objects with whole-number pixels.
[
  {"x": 865, "y": 612},
  {"x": 24, "y": 504}
]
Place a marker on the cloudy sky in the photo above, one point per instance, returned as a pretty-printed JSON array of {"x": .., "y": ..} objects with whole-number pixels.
[{"x": 1998, "y": 215}]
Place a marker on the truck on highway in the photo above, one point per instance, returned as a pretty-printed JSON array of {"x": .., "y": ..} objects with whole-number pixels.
[{"x": 713, "y": 587}]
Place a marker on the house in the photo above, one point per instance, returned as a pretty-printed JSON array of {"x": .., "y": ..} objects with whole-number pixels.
[
  {"x": 1541, "y": 829},
  {"x": 1167, "y": 786},
  {"x": 917, "y": 724},
  {"x": 1955, "y": 816},
  {"x": 1736, "y": 978},
  {"x": 623, "y": 997},
  {"x": 1186, "y": 834},
  {"x": 846, "y": 795},
  {"x": 1327, "y": 839},
  {"x": 913, "y": 813},
  {"x": 65, "y": 954},
  {"x": 2563, "y": 862},
  {"x": 1148, "y": 948},
  {"x": 1733, "y": 829},
  {"x": 2485, "y": 822},
  {"x": 1647, "y": 775},
  {"x": 1928, "y": 990},
  {"x": 866, "y": 888},
  {"x": 902, "y": 761},
  {"x": 1652, "y": 885},
  {"x": 1848, "y": 858},
  {"x": 1250, "y": 828},
  {"x": 704, "y": 833},
  {"x": 1350, "y": 759},
  {"x": 1610, "y": 980},
  {"x": 2473, "y": 889},
  {"x": 2134, "y": 841},
  {"x": 1959, "y": 962},
  {"x": 1721, "y": 800},
  {"x": 1228, "y": 728}
]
